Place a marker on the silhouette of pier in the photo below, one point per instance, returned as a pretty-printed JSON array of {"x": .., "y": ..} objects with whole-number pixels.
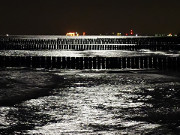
[
  {"x": 90, "y": 43},
  {"x": 48, "y": 62}
]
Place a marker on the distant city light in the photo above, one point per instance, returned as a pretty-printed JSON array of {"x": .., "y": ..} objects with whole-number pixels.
[
  {"x": 131, "y": 32},
  {"x": 169, "y": 35},
  {"x": 118, "y": 34},
  {"x": 72, "y": 34}
]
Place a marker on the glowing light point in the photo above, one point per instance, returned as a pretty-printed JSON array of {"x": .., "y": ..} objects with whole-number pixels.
[
  {"x": 169, "y": 35},
  {"x": 72, "y": 34},
  {"x": 118, "y": 34},
  {"x": 131, "y": 32}
]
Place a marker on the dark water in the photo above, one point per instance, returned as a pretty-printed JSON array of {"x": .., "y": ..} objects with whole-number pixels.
[{"x": 88, "y": 102}]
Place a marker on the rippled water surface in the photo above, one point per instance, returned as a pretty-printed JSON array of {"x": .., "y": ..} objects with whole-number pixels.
[
  {"x": 87, "y": 53},
  {"x": 89, "y": 102}
]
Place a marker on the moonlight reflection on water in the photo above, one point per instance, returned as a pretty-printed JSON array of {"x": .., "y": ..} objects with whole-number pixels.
[{"x": 93, "y": 102}]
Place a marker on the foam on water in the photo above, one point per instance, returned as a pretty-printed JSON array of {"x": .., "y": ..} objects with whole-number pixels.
[{"x": 98, "y": 103}]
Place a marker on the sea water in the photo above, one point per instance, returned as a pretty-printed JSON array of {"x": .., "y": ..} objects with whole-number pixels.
[{"x": 38, "y": 101}]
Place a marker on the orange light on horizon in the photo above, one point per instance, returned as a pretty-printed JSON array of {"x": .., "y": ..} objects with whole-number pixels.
[
  {"x": 169, "y": 35},
  {"x": 72, "y": 34}
]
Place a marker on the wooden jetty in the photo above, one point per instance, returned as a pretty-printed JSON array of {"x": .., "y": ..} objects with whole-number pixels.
[
  {"x": 89, "y": 43},
  {"x": 131, "y": 43}
]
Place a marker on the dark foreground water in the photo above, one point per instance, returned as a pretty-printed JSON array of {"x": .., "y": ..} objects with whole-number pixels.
[{"x": 88, "y": 102}]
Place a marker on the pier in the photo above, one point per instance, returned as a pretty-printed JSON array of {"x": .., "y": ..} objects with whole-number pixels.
[
  {"x": 89, "y": 43},
  {"x": 81, "y": 43},
  {"x": 160, "y": 63}
]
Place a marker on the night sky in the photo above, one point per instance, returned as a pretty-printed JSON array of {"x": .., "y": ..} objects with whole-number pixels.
[{"x": 57, "y": 17}]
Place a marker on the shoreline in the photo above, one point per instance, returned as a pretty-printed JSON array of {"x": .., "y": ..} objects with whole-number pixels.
[{"x": 19, "y": 85}]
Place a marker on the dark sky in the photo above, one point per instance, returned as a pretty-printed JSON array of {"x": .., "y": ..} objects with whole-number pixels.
[{"x": 90, "y": 16}]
